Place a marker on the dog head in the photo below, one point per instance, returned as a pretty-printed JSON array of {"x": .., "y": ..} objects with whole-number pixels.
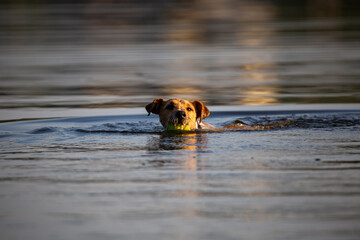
[{"x": 178, "y": 111}]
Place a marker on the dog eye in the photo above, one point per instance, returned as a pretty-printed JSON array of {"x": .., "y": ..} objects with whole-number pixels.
[
  {"x": 170, "y": 107},
  {"x": 189, "y": 109}
]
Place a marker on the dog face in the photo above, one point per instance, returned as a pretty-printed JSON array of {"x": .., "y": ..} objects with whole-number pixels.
[{"x": 178, "y": 111}]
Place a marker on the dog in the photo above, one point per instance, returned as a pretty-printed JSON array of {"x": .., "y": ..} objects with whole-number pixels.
[
  {"x": 179, "y": 111},
  {"x": 183, "y": 112}
]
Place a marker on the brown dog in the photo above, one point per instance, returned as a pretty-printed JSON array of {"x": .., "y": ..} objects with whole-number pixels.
[{"x": 179, "y": 111}]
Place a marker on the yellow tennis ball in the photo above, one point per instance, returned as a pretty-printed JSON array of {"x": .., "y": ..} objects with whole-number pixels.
[
  {"x": 186, "y": 128},
  {"x": 178, "y": 127}
]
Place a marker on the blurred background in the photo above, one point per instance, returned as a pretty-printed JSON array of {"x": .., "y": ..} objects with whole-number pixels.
[{"x": 105, "y": 54}]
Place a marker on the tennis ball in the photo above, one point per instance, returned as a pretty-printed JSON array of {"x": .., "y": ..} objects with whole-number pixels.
[{"x": 179, "y": 127}]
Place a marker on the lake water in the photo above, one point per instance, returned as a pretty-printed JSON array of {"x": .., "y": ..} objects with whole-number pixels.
[{"x": 80, "y": 158}]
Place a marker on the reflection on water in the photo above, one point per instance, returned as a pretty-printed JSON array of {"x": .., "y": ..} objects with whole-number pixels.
[
  {"x": 123, "y": 177},
  {"x": 187, "y": 183},
  {"x": 224, "y": 52}
]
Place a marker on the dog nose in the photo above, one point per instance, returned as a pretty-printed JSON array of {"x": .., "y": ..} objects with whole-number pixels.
[{"x": 181, "y": 114}]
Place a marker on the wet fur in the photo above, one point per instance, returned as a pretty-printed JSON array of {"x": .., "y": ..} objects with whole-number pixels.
[
  {"x": 168, "y": 111},
  {"x": 195, "y": 112}
]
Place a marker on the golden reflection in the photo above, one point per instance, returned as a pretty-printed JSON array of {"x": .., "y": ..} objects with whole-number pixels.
[
  {"x": 190, "y": 143},
  {"x": 258, "y": 66},
  {"x": 187, "y": 162},
  {"x": 263, "y": 96},
  {"x": 185, "y": 91},
  {"x": 250, "y": 29},
  {"x": 182, "y": 35},
  {"x": 264, "y": 89},
  {"x": 189, "y": 179}
]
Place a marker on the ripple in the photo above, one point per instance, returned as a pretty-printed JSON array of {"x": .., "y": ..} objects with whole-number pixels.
[
  {"x": 122, "y": 128},
  {"x": 306, "y": 121},
  {"x": 44, "y": 130}
]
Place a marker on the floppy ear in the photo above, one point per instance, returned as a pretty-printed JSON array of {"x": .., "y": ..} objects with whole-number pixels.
[
  {"x": 154, "y": 107},
  {"x": 201, "y": 111}
]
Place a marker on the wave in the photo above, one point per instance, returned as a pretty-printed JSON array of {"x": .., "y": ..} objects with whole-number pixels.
[{"x": 270, "y": 122}]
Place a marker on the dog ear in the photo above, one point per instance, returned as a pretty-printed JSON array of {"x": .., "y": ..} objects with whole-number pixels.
[
  {"x": 154, "y": 107},
  {"x": 201, "y": 111}
]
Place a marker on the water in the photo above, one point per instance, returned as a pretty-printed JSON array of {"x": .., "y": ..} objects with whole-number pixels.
[
  {"x": 123, "y": 55},
  {"x": 79, "y": 158},
  {"x": 123, "y": 177}
]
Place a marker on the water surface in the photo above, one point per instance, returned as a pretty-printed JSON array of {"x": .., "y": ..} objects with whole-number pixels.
[
  {"x": 79, "y": 158},
  {"x": 222, "y": 52},
  {"x": 124, "y": 177}
]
